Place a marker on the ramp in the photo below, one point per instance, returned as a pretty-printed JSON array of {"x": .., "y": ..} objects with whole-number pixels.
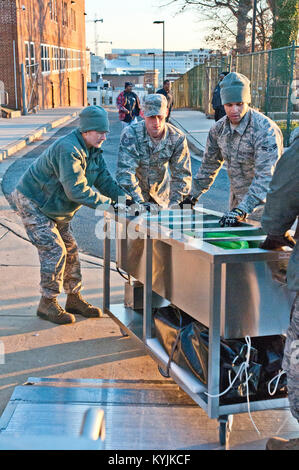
[{"x": 138, "y": 414}]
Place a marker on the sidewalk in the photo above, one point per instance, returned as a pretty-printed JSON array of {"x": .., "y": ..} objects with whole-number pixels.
[
  {"x": 94, "y": 348},
  {"x": 196, "y": 126},
  {"x": 16, "y": 133}
]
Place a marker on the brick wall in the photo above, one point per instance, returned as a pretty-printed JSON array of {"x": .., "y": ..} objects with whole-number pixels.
[
  {"x": 8, "y": 28},
  {"x": 52, "y": 38}
]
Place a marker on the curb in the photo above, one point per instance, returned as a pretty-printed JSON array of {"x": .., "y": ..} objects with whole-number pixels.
[{"x": 21, "y": 143}]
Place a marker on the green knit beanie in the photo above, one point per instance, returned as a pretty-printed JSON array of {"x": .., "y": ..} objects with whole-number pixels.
[
  {"x": 235, "y": 88},
  {"x": 94, "y": 118}
]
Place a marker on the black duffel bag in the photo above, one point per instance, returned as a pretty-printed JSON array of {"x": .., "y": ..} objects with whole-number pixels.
[{"x": 186, "y": 342}]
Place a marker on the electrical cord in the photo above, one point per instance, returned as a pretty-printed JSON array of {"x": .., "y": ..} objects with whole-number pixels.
[
  {"x": 243, "y": 369},
  {"x": 277, "y": 378}
]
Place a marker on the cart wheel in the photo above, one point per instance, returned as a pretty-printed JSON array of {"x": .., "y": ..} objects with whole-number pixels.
[
  {"x": 123, "y": 332},
  {"x": 163, "y": 372},
  {"x": 225, "y": 426}
]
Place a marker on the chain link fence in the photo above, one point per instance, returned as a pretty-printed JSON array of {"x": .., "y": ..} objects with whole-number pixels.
[{"x": 274, "y": 77}]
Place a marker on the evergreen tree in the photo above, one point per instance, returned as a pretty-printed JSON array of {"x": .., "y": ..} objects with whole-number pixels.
[{"x": 286, "y": 23}]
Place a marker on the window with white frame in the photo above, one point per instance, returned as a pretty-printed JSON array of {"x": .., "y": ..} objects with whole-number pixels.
[
  {"x": 73, "y": 20},
  {"x": 62, "y": 58},
  {"x": 55, "y": 58},
  {"x": 53, "y": 9},
  {"x": 30, "y": 58},
  {"x": 27, "y": 57},
  {"x": 64, "y": 14},
  {"x": 45, "y": 58}
]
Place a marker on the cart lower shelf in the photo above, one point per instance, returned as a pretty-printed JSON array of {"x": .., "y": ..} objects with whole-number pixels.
[{"x": 131, "y": 322}]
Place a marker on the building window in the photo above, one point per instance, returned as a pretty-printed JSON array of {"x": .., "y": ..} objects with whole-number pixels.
[
  {"x": 45, "y": 58},
  {"x": 53, "y": 9},
  {"x": 64, "y": 14},
  {"x": 69, "y": 58},
  {"x": 94, "y": 101},
  {"x": 62, "y": 58},
  {"x": 73, "y": 20},
  {"x": 27, "y": 58},
  {"x": 55, "y": 58},
  {"x": 30, "y": 58}
]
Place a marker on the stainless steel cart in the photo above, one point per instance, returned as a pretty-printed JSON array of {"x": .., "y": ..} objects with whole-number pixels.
[{"x": 233, "y": 292}]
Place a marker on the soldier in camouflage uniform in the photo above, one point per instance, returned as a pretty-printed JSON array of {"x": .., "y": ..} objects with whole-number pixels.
[
  {"x": 48, "y": 195},
  {"x": 281, "y": 211},
  {"x": 154, "y": 163},
  {"x": 249, "y": 143}
]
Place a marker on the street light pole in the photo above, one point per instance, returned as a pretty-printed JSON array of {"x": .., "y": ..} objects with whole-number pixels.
[
  {"x": 162, "y": 22},
  {"x": 253, "y": 25},
  {"x": 154, "y": 69}
]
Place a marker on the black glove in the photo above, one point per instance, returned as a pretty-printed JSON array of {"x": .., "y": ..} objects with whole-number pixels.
[
  {"x": 188, "y": 201},
  {"x": 120, "y": 207},
  {"x": 232, "y": 218},
  {"x": 273, "y": 242},
  {"x": 150, "y": 207},
  {"x": 129, "y": 202}
]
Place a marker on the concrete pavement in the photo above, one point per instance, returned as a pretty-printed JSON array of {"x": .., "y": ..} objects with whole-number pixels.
[
  {"x": 92, "y": 348},
  {"x": 16, "y": 133},
  {"x": 196, "y": 126}
]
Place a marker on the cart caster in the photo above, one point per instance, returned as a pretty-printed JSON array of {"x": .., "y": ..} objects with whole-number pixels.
[
  {"x": 163, "y": 372},
  {"x": 123, "y": 333},
  {"x": 225, "y": 427}
]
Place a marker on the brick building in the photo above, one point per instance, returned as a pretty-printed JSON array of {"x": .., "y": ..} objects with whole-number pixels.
[{"x": 43, "y": 53}]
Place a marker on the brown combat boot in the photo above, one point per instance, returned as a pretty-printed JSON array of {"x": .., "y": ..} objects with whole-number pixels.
[
  {"x": 277, "y": 443},
  {"x": 75, "y": 304},
  {"x": 50, "y": 310}
]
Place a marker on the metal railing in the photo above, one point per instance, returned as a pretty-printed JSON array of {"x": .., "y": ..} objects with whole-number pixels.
[{"x": 274, "y": 77}]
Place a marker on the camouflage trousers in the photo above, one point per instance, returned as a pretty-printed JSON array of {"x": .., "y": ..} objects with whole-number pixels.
[
  {"x": 57, "y": 248},
  {"x": 290, "y": 361}
]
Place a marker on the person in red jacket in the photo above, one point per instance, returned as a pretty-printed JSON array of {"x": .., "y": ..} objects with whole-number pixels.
[{"x": 128, "y": 105}]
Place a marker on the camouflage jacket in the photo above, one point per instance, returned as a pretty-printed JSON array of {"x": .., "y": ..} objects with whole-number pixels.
[
  {"x": 282, "y": 205},
  {"x": 161, "y": 171},
  {"x": 250, "y": 151}
]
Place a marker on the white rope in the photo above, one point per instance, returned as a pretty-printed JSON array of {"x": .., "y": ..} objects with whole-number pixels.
[
  {"x": 277, "y": 378},
  {"x": 243, "y": 368}
]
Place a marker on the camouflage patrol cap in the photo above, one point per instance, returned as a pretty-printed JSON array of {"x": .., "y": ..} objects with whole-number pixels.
[{"x": 155, "y": 105}]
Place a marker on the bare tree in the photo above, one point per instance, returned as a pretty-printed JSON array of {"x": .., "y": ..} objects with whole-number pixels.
[
  {"x": 222, "y": 32},
  {"x": 239, "y": 9}
]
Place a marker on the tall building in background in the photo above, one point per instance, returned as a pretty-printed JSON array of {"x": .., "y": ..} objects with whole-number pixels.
[{"x": 43, "y": 53}]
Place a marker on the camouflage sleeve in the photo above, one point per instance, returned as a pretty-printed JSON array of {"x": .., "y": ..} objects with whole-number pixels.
[
  {"x": 268, "y": 149},
  {"x": 128, "y": 161},
  {"x": 211, "y": 164},
  {"x": 180, "y": 170},
  {"x": 282, "y": 204}
]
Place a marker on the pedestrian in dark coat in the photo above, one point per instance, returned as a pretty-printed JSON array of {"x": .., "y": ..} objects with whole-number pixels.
[{"x": 216, "y": 100}]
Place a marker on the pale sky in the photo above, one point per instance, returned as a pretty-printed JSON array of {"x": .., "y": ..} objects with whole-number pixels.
[{"x": 129, "y": 25}]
